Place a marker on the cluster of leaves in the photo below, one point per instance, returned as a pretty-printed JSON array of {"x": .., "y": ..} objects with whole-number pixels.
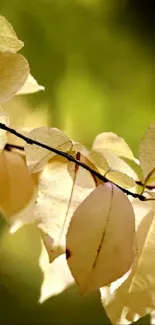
[{"x": 78, "y": 199}]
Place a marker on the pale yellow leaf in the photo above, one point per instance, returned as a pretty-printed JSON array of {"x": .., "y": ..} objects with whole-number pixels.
[
  {"x": 56, "y": 276},
  {"x": 100, "y": 238},
  {"x": 36, "y": 156},
  {"x": 8, "y": 37},
  {"x": 111, "y": 166},
  {"x": 97, "y": 158},
  {"x": 135, "y": 297},
  {"x": 30, "y": 86},
  {"x": 14, "y": 70},
  {"x": 17, "y": 186},
  {"x": 62, "y": 187},
  {"x": 4, "y": 118},
  {"x": 147, "y": 152},
  {"x": 112, "y": 142},
  {"x": 120, "y": 179}
]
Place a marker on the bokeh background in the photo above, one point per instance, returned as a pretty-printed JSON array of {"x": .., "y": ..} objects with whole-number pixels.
[{"x": 96, "y": 60}]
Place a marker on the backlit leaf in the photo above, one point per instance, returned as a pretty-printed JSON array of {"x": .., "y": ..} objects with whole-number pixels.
[
  {"x": 17, "y": 186},
  {"x": 135, "y": 297},
  {"x": 62, "y": 187},
  {"x": 100, "y": 238},
  {"x": 112, "y": 142},
  {"x": 114, "y": 168},
  {"x": 147, "y": 151},
  {"x": 57, "y": 276},
  {"x": 30, "y": 86},
  {"x": 36, "y": 156},
  {"x": 14, "y": 70},
  {"x": 8, "y": 37},
  {"x": 3, "y": 137}
]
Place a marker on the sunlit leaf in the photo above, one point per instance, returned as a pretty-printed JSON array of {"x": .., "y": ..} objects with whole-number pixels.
[
  {"x": 115, "y": 169},
  {"x": 14, "y": 70},
  {"x": 62, "y": 187},
  {"x": 112, "y": 142},
  {"x": 36, "y": 156},
  {"x": 97, "y": 157},
  {"x": 100, "y": 238},
  {"x": 147, "y": 151},
  {"x": 8, "y": 37},
  {"x": 17, "y": 186},
  {"x": 30, "y": 86},
  {"x": 120, "y": 179},
  {"x": 4, "y": 118},
  {"x": 56, "y": 276},
  {"x": 135, "y": 297}
]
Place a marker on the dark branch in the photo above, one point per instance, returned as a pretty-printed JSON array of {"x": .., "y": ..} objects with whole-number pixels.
[
  {"x": 10, "y": 146},
  {"x": 69, "y": 158}
]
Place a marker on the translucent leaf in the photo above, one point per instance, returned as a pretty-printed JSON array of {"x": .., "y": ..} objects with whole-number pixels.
[
  {"x": 30, "y": 86},
  {"x": 57, "y": 276},
  {"x": 147, "y": 152},
  {"x": 36, "y": 156},
  {"x": 113, "y": 142},
  {"x": 135, "y": 297},
  {"x": 8, "y": 38},
  {"x": 100, "y": 238},
  {"x": 105, "y": 161},
  {"x": 14, "y": 70},
  {"x": 17, "y": 186},
  {"x": 99, "y": 160},
  {"x": 120, "y": 179},
  {"x": 62, "y": 187},
  {"x": 3, "y": 137}
]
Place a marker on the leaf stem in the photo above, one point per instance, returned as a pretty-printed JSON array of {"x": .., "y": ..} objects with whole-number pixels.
[{"x": 69, "y": 158}]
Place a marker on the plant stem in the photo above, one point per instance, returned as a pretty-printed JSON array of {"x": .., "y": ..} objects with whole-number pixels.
[{"x": 69, "y": 158}]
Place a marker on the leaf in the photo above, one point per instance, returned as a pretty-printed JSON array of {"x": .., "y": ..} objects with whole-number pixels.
[
  {"x": 135, "y": 297},
  {"x": 114, "y": 143},
  {"x": 147, "y": 151},
  {"x": 112, "y": 167},
  {"x": 3, "y": 137},
  {"x": 62, "y": 187},
  {"x": 57, "y": 276},
  {"x": 36, "y": 156},
  {"x": 14, "y": 70},
  {"x": 17, "y": 186},
  {"x": 120, "y": 179},
  {"x": 8, "y": 37},
  {"x": 30, "y": 86},
  {"x": 100, "y": 238}
]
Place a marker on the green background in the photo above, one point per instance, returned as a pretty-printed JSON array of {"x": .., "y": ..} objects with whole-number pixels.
[{"x": 96, "y": 60}]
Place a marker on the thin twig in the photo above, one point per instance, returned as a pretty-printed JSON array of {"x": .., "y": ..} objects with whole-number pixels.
[
  {"x": 69, "y": 158},
  {"x": 9, "y": 146}
]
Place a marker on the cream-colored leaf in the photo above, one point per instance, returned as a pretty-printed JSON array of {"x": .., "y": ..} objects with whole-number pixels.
[
  {"x": 100, "y": 238},
  {"x": 114, "y": 168},
  {"x": 147, "y": 152},
  {"x": 101, "y": 156},
  {"x": 24, "y": 216},
  {"x": 17, "y": 186},
  {"x": 97, "y": 158},
  {"x": 14, "y": 70},
  {"x": 4, "y": 118},
  {"x": 120, "y": 179},
  {"x": 135, "y": 297},
  {"x": 62, "y": 187},
  {"x": 30, "y": 86},
  {"x": 56, "y": 276},
  {"x": 8, "y": 37},
  {"x": 112, "y": 142},
  {"x": 36, "y": 156}
]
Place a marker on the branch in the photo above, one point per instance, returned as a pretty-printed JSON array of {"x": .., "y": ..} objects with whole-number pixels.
[{"x": 69, "y": 158}]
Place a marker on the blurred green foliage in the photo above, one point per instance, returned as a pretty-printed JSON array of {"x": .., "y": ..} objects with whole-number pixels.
[{"x": 96, "y": 60}]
